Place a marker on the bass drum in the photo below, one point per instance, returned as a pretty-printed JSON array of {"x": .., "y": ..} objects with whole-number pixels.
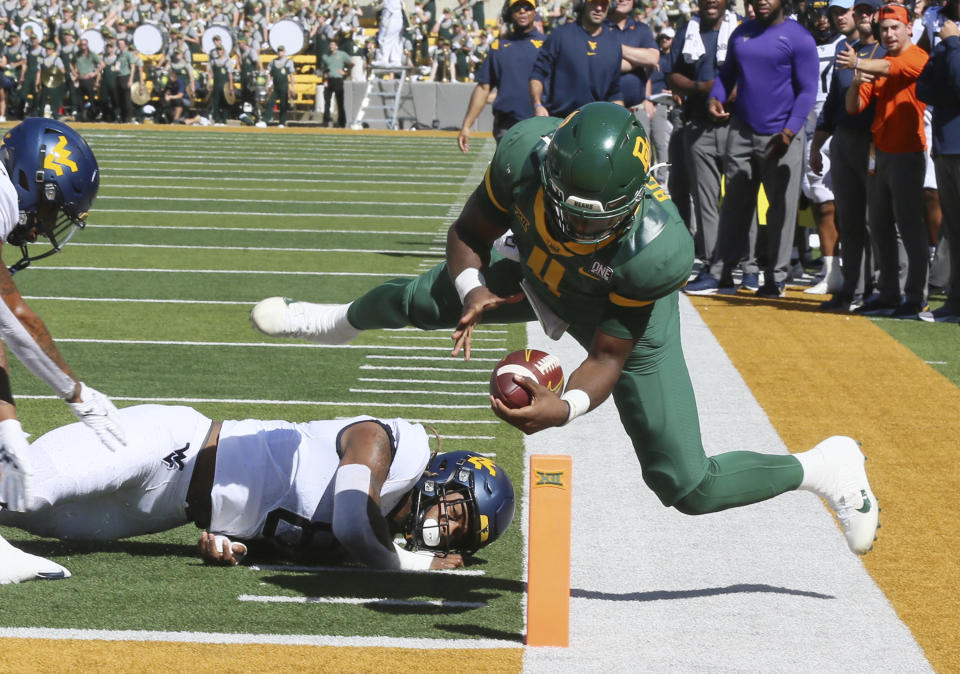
[
  {"x": 33, "y": 26},
  {"x": 289, "y": 34},
  {"x": 150, "y": 39},
  {"x": 226, "y": 36},
  {"x": 94, "y": 40}
]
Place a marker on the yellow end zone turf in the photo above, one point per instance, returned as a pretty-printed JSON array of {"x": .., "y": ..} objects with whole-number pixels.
[
  {"x": 46, "y": 655},
  {"x": 818, "y": 375}
]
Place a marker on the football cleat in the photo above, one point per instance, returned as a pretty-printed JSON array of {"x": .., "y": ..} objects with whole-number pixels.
[
  {"x": 834, "y": 471},
  {"x": 17, "y": 566},
  {"x": 318, "y": 323}
]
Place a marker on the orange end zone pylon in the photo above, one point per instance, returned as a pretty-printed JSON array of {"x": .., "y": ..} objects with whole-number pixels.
[{"x": 548, "y": 560}]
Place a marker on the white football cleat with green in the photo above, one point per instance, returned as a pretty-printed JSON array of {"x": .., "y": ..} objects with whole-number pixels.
[
  {"x": 17, "y": 566},
  {"x": 319, "y": 323},
  {"x": 834, "y": 471}
]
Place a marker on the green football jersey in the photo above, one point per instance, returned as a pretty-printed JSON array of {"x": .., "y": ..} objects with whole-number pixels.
[{"x": 610, "y": 285}]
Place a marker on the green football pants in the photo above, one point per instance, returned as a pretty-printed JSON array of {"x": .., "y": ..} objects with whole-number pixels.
[{"x": 654, "y": 396}]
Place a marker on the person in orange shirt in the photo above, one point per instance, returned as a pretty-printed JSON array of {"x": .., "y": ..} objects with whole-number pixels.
[{"x": 895, "y": 193}]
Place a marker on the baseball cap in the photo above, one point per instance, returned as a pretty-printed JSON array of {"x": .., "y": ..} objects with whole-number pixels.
[
  {"x": 842, "y": 4},
  {"x": 896, "y": 13},
  {"x": 875, "y": 5},
  {"x": 529, "y": 2},
  {"x": 667, "y": 32}
]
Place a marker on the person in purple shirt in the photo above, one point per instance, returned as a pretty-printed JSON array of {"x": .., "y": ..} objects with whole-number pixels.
[
  {"x": 772, "y": 61},
  {"x": 939, "y": 86},
  {"x": 578, "y": 64}
]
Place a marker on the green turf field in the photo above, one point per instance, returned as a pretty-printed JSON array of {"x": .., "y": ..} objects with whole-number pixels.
[{"x": 150, "y": 303}]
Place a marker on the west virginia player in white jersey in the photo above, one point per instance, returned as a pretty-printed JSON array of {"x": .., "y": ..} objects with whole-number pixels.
[
  {"x": 48, "y": 181},
  {"x": 321, "y": 490}
]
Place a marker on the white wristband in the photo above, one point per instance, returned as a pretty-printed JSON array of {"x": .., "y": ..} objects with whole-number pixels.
[
  {"x": 579, "y": 402},
  {"x": 414, "y": 561},
  {"x": 467, "y": 280}
]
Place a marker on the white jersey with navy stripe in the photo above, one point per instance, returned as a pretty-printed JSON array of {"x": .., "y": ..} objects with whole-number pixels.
[
  {"x": 272, "y": 474},
  {"x": 274, "y": 480}
]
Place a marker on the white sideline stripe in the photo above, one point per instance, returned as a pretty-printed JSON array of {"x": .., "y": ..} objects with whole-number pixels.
[
  {"x": 361, "y": 601},
  {"x": 419, "y": 392},
  {"x": 265, "y": 249},
  {"x": 259, "y": 230},
  {"x": 260, "y": 214},
  {"x": 220, "y": 271},
  {"x": 450, "y": 382},
  {"x": 233, "y": 638},
  {"x": 472, "y": 360},
  {"x": 471, "y": 437},
  {"x": 364, "y": 570},
  {"x": 282, "y": 190},
  {"x": 172, "y": 342},
  {"x": 322, "y": 202},
  {"x": 247, "y": 401},
  {"x": 478, "y": 331}
]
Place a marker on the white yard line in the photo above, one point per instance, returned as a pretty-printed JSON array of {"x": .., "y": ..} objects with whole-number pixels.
[
  {"x": 299, "y": 202},
  {"x": 272, "y": 345},
  {"x": 248, "y": 401},
  {"x": 361, "y": 569},
  {"x": 233, "y": 638},
  {"x": 262, "y": 214},
  {"x": 265, "y": 249},
  {"x": 361, "y": 601},
  {"x": 156, "y": 270}
]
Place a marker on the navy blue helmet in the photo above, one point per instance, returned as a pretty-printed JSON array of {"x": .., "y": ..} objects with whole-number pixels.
[
  {"x": 485, "y": 490},
  {"x": 56, "y": 178}
]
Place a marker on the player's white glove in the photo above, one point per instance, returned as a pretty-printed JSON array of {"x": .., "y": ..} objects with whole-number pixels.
[
  {"x": 97, "y": 412},
  {"x": 14, "y": 468}
]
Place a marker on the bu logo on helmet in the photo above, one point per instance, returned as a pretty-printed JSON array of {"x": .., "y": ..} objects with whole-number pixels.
[{"x": 59, "y": 158}]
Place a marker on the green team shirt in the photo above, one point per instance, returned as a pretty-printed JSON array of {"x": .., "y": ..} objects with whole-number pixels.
[{"x": 611, "y": 285}]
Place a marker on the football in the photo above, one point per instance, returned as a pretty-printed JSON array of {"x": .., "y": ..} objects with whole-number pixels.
[{"x": 531, "y": 363}]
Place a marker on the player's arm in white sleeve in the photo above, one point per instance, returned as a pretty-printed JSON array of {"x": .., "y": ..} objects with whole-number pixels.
[{"x": 27, "y": 336}]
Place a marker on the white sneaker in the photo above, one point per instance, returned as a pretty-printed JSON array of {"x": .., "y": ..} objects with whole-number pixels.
[
  {"x": 833, "y": 470},
  {"x": 819, "y": 289},
  {"x": 16, "y": 566},
  {"x": 261, "y": 125},
  {"x": 280, "y": 126},
  {"x": 319, "y": 323}
]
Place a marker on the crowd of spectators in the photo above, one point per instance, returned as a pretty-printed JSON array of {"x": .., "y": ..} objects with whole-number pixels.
[
  {"x": 729, "y": 102},
  {"x": 742, "y": 111}
]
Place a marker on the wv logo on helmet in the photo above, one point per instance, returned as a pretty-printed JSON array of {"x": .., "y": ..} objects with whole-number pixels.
[{"x": 59, "y": 158}]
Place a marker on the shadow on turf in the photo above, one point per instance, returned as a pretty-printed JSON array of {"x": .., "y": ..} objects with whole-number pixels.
[
  {"x": 53, "y": 548},
  {"x": 663, "y": 595}
]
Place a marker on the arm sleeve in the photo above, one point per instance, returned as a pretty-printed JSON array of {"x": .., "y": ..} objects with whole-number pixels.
[
  {"x": 23, "y": 345},
  {"x": 806, "y": 69},
  {"x": 927, "y": 82},
  {"x": 864, "y": 94},
  {"x": 358, "y": 525}
]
